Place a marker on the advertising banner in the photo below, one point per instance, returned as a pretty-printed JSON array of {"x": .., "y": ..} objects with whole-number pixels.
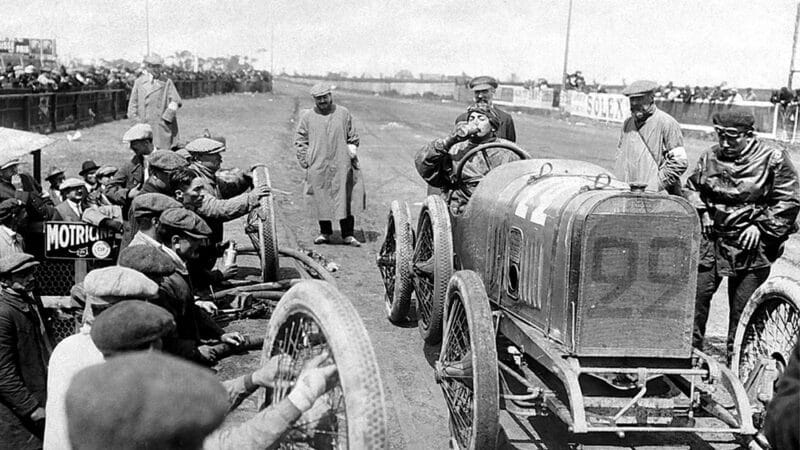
[
  {"x": 606, "y": 107},
  {"x": 537, "y": 98},
  {"x": 78, "y": 240},
  {"x": 33, "y": 48}
]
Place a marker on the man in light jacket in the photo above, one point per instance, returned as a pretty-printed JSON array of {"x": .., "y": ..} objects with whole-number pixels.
[{"x": 155, "y": 101}]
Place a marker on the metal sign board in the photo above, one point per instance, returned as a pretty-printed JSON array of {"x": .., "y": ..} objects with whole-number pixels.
[{"x": 78, "y": 240}]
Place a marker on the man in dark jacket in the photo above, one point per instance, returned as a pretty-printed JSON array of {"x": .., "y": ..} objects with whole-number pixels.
[
  {"x": 747, "y": 194},
  {"x": 483, "y": 89},
  {"x": 25, "y": 348}
]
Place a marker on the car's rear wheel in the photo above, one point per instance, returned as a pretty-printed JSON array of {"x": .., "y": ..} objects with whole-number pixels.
[
  {"x": 767, "y": 331},
  {"x": 467, "y": 366},
  {"x": 394, "y": 262},
  {"x": 313, "y": 317},
  {"x": 432, "y": 264}
]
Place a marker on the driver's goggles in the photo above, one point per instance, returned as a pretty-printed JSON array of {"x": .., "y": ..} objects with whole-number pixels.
[{"x": 728, "y": 132}]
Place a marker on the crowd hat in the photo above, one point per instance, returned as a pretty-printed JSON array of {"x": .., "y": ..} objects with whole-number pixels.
[
  {"x": 735, "y": 118},
  {"x": 138, "y": 132},
  {"x": 205, "y": 146},
  {"x": 54, "y": 171},
  {"x": 8, "y": 208},
  {"x": 144, "y": 400},
  {"x": 482, "y": 83},
  {"x": 152, "y": 204},
  {"x": 5, "y": 163},
  {"x": 147, "y": 259},
  {"x": 153, "y": 60},
  {"x": 320, "y": 89},
  {"x": 166, "y": 160},
  {"x": 106, "y": 171},
  {"x": 186, "y": 221},
  {"x": 17, "y": 262},
  {"x": 129, "y": 325},
  {"x": 640, "y": 87},
  {"x": 114, "y": 283},
  {"x": 88, "y": 166},
  {"x": 71, "y": 183}
]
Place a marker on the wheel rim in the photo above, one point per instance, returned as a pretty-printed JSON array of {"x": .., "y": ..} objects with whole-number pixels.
[
  {"x": 771, "y": 331},
  {"x": 387, "y": 262},
  {"x": 423, "y": 282},
  {"x": 454, "y": 370},
  {"x": 301, "y": 338}
]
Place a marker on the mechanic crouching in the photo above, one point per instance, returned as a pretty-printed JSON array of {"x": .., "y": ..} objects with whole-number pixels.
[
  {"x": 436, "y": 162},
  {"x": 747, "y": 195}
]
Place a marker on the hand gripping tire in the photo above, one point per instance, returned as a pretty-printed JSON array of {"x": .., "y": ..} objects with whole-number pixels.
[
  {"x": 394, "y": 262},
  {"x": 432, "y": 265},
  {"x": 467, "y": 366},
  {"x": 313, "y": 316},
  {"x": 767, "y": 331},
  {"x": 261, "y": 228}
]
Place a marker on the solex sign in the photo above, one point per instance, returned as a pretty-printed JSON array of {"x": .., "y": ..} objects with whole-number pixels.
[{"x": 77, "y": 240}]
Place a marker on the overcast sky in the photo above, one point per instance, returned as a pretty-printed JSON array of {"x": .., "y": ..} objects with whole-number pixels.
[{"x": 745, "y": 43}]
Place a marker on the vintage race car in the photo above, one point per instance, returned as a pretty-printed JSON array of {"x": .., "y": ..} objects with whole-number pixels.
[{"x": 559, "y": 289}]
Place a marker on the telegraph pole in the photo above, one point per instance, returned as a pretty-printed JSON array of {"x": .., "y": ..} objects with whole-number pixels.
[
  {"x": 272, "y": 39},
  {"x": 794, "y": 46},
  {"x": 566, "y": 49},
  {"x": 147, "y": 23}
]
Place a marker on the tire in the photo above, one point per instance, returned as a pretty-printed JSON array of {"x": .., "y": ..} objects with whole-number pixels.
[
  {"x": 313, "y": 316},
  {"x": 468, "y": 331},
  {"x": 394, "y": 262},
  {"x": 768, "y": 327},
  {"x": 432, "y": 264},
  {"x": 263, "y": 225}
]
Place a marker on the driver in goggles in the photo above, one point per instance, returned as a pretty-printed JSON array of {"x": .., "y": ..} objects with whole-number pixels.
[{"x": 436, "y": 162}]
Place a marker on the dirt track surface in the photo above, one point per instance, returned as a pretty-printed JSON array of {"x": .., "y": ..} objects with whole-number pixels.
[{"x": 259, "y": 129}]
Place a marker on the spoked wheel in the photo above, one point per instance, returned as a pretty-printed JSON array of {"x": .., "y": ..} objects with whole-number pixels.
[
  {"x": 768, "y": 330},
  {"x": 394, "y": 262},
  {"x": 313, "y": 317},
  {"x": 261, "y": 228},
  {"x": 467, "y": 366},
  {"x": 432, "y": 265}
]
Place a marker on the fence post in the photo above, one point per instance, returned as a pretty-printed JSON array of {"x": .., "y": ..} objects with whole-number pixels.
[{"x": 52, "y": 113}]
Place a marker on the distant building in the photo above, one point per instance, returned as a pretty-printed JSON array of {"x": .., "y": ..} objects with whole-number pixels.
[
  {"x": 404, "y": 75},
  {"x": 431, "y": 77}
]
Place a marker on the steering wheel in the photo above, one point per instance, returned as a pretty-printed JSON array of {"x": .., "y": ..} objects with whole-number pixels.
[{"x": 462, "y": 185}]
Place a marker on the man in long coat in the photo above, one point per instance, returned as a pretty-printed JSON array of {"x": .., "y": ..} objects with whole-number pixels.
[
  {"x": 155, "y": 101},
  {"x": 326, "y": 143}
]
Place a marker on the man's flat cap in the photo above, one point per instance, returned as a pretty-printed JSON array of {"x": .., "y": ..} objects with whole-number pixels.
[
  {"x": 183, "y": 153},
  {"x": 53, "y": 172},
  {"x": 152, "y": 204},
  {"x": 166, "y": 160},
  {"x": 71, "y": 183},
  {"x": 153, "y": 60},
  {"x": 138, "y": 132},
  {"x": 8, "y": 162},
  {"x": 114, "y": 284},
  {"x": 144, "y": 400},
  {"x": 148, "y": 260},
  {"x": 16, "y": 262},
  {"x": 106, "y": 171},
  {"x": 207, "y": 134},
  {"x": 9, "y": 207},
  {"x": 129, "y": 325},
  {"x": 734, "y": 118},
  {"x": 205, "y": 145},
  {"x": 320, "y": 89},
  {"x": 186, "y": 221},
  {"x": 482, "y": 83},
  {"x": 640, "y": 87}
]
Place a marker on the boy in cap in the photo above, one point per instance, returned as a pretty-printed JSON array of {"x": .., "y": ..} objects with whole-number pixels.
[
  {"x": 326, "y": 145},
  {"x": 437, "y": 160},
  {"x": 483, "y": 89},
  {"x": 154, "y": 100},
  {"x": 55, "y": 177},
  {"x": 650, "y": 148},
  {"x": 25, "y": 347},
  {"x": 151, "y": 400},
  {"x": 10, "y": 240},
  {"x": 747, "y": 194},
  {"x": 130, "y": 177},
  {"x": 100, "y": 289},
  {"x": 161, "y": 164},
  {"x": 205, "y": 162}
]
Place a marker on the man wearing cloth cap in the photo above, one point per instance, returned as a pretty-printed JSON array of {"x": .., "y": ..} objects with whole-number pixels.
[
  {"x": 104, "y": 175},
  {"x": 206, "y": 159},
  {"x": 129, "y": 179},
  {"x": 326, "y": 143},
  {"x": 154, "y": 100},
  {"x": 151, "y": 400},
  {"x": 483, "y": 89},
  {"x": 747, "y": 194},
  {"x": 143, "y": 218},
  {"x": 101, "y": 288},
  {"x": 10, "y": 240},
  {"x": 25, "y": 347},
  {"x": 161, "y": 164},
  {"x": 650, "y": 148}
]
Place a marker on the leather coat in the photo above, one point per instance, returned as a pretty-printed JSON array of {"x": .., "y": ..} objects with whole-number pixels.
[{"x": 758, "y": 187}]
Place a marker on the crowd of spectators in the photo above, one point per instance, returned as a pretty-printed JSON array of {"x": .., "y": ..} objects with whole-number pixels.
[
  {"x": 718, "y": 94},
  {"x": 59, "y": 79}
]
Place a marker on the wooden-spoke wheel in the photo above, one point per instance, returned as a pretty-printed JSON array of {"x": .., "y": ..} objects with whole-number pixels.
[
  {"x": 311, "y": 318},
  {"x": 432, "y": 265},
  {"x": 394, "y": 262},
  {"x": 261, "y": 228},
  {"x": 467, "y": 366},
  {"x": 767, "y": 331}
]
